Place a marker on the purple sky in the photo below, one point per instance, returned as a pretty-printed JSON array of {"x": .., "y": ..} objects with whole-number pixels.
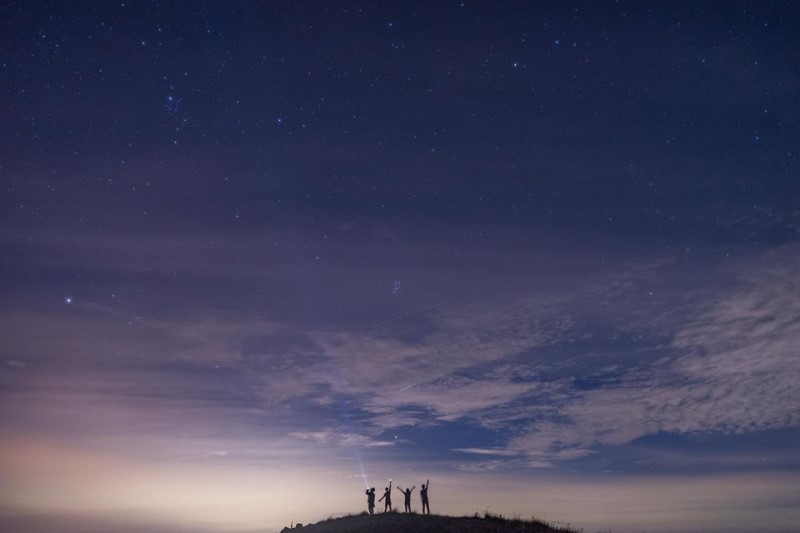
[{"x": 258, "y": 257}]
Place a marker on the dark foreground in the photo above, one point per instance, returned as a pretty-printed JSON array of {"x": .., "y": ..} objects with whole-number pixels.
[{"x": 415, "y": 523}]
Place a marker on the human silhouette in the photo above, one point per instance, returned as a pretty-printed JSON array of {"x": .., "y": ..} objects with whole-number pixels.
[
  {"x": 407, "y": 494},
  {"x": 423, "y": 494},
  {"x": 387, "y": 495},
  {"x": 371, "y": 500}
]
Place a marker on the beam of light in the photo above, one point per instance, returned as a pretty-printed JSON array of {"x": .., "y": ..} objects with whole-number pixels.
[
  {"x": 343, "y": 411},
  {"x": 357, "y": 455}
]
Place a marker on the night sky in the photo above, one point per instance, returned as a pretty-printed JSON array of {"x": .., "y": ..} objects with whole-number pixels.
[{"x": 257, "y": 256}]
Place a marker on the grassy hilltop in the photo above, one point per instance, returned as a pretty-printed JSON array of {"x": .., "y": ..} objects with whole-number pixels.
[{"x": 416, "y": 523}]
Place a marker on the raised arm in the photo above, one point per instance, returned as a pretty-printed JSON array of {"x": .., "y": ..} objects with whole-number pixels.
[
  {"x": 412, "y": 488},
  {"x": 398, "y": 488}
]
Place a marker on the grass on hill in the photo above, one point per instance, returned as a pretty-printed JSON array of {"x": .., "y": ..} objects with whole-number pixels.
[{"x": 417, "y": 523}]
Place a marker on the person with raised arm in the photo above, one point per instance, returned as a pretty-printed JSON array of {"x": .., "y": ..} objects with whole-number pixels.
[
  {"x": 387, "y": 495},
  {"x": 423, "y": 494},
  {"x": 407, "y": 495}
]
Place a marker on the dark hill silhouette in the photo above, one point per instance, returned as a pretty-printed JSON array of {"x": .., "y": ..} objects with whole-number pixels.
[{"x": 417, "y": 523}]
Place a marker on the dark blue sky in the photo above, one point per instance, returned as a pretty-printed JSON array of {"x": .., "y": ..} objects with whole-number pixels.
[{"x": 545, "y": 249}]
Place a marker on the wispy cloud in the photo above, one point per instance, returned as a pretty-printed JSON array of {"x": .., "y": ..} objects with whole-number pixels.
[
  {"x": 487, "y": 451},
  {"x": 734, "y": 369},
  {"x": 561, "y": 373},
  {"x": 341, "y": 438}
]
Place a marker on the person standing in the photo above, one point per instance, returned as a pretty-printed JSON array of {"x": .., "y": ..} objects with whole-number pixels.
[
  {"x": 407, "y": 495},
  {"x": 387, "y": 495},
  {"x": 423, "y": 494},
  {"x": 371, "y": 500}
]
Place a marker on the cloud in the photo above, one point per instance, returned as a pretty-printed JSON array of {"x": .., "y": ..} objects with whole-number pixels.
[
  {"x": 487, "y": 451},
  {"x": 599, "y": 361},
  {"x": 743, "y": 352},
  {"x": 734, "y": 369},
  {"x": 483, "y": 466},
  {"x": 341, "y": 438}
]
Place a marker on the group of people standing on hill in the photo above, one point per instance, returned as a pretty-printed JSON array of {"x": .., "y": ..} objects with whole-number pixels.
[{"x": 387, "y": 498}]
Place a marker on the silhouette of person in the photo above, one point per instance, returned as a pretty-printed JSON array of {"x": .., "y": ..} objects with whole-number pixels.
[
  {"x": 407, "y": 494},
  {"x": 423, "y": 494},
  {"x": 387, "y": 495},
  {"x": 371, "y": 500}
]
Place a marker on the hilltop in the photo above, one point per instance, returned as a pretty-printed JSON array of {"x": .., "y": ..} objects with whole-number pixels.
[{"x": 416, "y": 523}]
